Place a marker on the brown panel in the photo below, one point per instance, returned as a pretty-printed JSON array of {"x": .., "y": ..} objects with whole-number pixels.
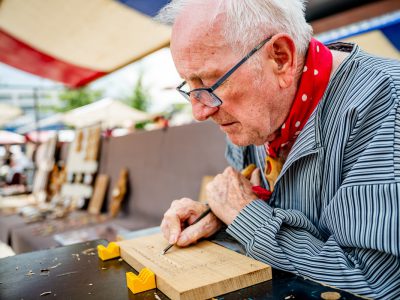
[{"x": 164, "y": 165}]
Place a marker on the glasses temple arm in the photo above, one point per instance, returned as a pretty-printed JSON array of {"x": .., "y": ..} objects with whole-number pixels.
[{"x": 243, "y": 60}]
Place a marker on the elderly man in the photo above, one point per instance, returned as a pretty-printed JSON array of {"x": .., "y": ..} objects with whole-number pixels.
[{"x": 321, "y": 122}]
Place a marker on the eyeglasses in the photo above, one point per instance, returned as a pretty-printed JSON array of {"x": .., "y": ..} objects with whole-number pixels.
[{"x": 206, "y": 96}]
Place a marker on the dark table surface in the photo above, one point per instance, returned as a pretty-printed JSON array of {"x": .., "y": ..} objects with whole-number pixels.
[{"x": 76, "y": 272}]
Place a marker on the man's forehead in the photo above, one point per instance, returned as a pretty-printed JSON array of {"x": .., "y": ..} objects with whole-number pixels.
[
  {"x": 198, "y": 59},
  {"x": 197, "y": 46}
]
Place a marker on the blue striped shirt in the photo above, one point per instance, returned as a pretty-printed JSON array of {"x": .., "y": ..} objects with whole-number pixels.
[{"x": 334, "y": 214}]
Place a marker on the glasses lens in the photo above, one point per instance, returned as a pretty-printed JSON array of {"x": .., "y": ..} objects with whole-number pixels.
[
  {"x": 202, "y": 95},
  {"x": 205, "y": 97},
  {"x": 186, "y": 96}
]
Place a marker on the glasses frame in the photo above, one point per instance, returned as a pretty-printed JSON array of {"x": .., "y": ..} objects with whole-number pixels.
[{"x": 222, "y": 79}]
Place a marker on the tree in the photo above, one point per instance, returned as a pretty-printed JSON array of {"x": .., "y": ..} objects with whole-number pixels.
[
  {"x": 139, "y": 98},
  {"x": 74, "y": 98}
]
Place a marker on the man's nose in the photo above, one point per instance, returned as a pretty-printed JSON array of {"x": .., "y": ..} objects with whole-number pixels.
[{"x": 202, "y": 112}]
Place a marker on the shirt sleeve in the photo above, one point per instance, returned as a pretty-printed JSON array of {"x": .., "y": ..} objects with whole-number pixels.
[{"x": 287, "y": 240}]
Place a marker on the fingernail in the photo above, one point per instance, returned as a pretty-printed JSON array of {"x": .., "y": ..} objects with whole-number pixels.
[{"x": 172, "y": 239}]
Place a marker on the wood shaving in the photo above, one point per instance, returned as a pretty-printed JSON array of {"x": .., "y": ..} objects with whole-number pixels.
[
  {"x": 45, "y": 293},
  {"x": 68, "y": 273},
  {"x": 55, "y": 266},
  {"x": 90, "y": 251}
]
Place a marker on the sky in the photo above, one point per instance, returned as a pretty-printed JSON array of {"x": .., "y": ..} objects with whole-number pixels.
[{"x": 159, "y": 77}]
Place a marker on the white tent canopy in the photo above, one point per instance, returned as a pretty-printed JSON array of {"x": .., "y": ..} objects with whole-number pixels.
[
  {"x": 8, "y": 113},
  {"x": 49, "y": 121},
  {"x": 109, "y": 112},
  {"x": 9, "y": 138}
]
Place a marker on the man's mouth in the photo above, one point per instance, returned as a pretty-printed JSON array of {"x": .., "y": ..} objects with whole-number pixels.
[
  {"x": 228, "y": 127},
  {"x": 226, "y": 124}
]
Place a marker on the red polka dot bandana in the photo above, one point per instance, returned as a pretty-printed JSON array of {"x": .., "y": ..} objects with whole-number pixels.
[{"x": 313, "y": 83}]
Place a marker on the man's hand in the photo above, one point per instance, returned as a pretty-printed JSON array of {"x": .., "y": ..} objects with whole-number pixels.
[
  {"x": 180, "y": 215},
  {"x": 228, "y": 194}
]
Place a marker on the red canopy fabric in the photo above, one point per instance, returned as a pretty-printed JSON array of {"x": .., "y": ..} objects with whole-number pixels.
[{"x": 74, "y": 41}]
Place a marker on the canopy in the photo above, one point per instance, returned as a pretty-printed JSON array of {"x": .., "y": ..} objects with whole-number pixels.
[
  {"x": 8, "y": 113},
  {"x": 54, "y": 122},
  {"x": 75, "y": 41},
  {"x": 109, "y": 112},
  {"x": 78, "y": 41},
  {"x": 379, "y": 35},
  {"x": 10, "y": 138},
  {"x": 45, "y": 135}
]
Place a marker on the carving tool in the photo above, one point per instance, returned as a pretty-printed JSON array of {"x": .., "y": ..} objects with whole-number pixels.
[{"x": 205, "y": 213}]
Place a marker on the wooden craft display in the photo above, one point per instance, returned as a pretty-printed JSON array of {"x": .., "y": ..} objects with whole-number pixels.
[
  {"x": 118, "y": 193},
  {"x": 100, "y": 188},
  {"x": 201, "y": 271},
  {"x": 82, "y": 162},
  {"x": 83, "y": 151},
  {"x": 92, "y": 145},
  {"x": 44, "y": 160}
]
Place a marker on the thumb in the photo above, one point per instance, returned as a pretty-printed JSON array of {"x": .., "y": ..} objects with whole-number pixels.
[{"x": 255, "y": 177}]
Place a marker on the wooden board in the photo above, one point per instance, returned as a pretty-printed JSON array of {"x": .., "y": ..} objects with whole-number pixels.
[
  {"x": 201, "y": 271},
  {"x": 100, "y": 188}
]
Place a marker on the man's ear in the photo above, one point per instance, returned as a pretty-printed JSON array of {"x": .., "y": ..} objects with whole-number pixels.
[{"x": 282, "y": 53}]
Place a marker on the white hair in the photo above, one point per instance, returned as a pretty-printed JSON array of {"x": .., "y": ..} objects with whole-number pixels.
[{"x": 248, "y": 21}]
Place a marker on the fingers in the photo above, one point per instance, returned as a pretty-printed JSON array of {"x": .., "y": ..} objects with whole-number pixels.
[
  {"x": 181, "y": 211},
  {"x": 204, "y": 228},
  {"x": 255, "y": 177},
  {"x": 171, "y": 227}
]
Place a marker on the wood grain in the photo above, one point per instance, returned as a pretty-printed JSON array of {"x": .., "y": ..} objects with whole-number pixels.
[{"x": 201, "y": 271}]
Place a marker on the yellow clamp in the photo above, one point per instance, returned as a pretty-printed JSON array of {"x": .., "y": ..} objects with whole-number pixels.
[
  {"x": 109, "y": 252},
  {"x": 146, "y": 280},
  {"x": 273, "y": 167},
  {"x": 246, "y": 172}
]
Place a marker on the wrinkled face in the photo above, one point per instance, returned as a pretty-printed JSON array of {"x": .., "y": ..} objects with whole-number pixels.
[{"x": 252, "y": 109}]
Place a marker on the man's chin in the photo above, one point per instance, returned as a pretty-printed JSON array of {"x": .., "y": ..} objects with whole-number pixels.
[
  {"x": 238, "y": 140},
  {"x": 244, "y": 140}
]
